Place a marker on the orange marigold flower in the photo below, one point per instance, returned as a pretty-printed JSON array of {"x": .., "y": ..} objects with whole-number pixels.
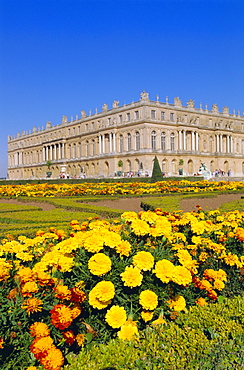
[
  {"x": 77, "y": 295},
  {"x": 69, "y": 337},
  {"x": 39, "y": 329},
  {"x": 54, "y": 359},
  {"x": 61, "y": 316},
  {"x": 62, "y": 292},
  {"x": 29, "y": 288},
  {"x": 201, "y": 301},
  {"x": 12, "y": 294},
  {"x": 80, "y": 339},
  {"x": 41, "y": 346},
  {"x": 1, "y": 343},
  {"x": 32, "y": 305}
]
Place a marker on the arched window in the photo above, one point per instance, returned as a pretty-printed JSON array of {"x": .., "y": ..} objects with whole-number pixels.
[
  {"x": 172, "y": 141},
  {"x": 129, "y": 142},
  {"x": 121, "y": 143},
  {"x": 163, "y": 137},
  {"x": 153, "y": 140},
  {"x": 93, "y": 147},
  {"x": 138, "y": 141}
]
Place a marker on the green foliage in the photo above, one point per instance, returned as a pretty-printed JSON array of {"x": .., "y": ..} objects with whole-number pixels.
[
  {"x": 120, "y": 163},
  {"x": 157, "y": 172},
  {"x": 209, "y": 337}
]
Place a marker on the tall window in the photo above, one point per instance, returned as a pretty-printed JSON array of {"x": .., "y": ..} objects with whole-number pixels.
[
  {"x": 153, "y": 140},
  {"x": 129, "y": 142},
  {"x": 163, "y": 137},
  {"x": 153, "y": 114},
  {"x": 87, "y": 149},
  {"x": 138, "y": 141},
  {"x": 120, "y": 118},
  {"x": 136, "y": 114},
  {"x": 121, "y": 143},
  {"x": 172, "y": 118},
  {"x": 86, "y": 126},
  {"x": 172, "y": 141},
  {"x": 162, "y": 116},
  {"x": 128, "y": 117},
  {"x": 93, "y": 147}
]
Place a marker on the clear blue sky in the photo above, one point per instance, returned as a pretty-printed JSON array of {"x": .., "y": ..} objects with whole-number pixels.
[{"x": 62, "y": 56}]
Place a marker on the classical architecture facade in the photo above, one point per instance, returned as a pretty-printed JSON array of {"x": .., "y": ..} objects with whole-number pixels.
[{"x": 92, "y": 145}]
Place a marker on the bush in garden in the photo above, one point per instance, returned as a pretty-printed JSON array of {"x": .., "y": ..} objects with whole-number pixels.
[
  {"x": 157, "y": 172},
  {"x": 110, "y": 280},
  {"x": 209, "y": 337}
]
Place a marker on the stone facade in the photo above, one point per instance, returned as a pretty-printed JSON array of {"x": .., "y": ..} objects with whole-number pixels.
[{"x": 92, "y": 146}]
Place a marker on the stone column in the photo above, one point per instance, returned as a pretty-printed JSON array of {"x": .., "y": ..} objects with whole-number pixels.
[
  {"x": 221, "y": 143},
  {"x": 100, "y": 144},
  {"x": 217, "y": 143},
  {"x": 193, "y": 141},
  {"x": 197, "y": 139},
  {"x": 110, "y": 143},
  {"x": 180, "y": 139},
  {"x": 184, "y": 139},
  {"x": 114, "y": 141},
  {"x": 228, "y": 143}
]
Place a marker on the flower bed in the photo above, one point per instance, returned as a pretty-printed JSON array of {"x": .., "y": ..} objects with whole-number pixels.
[
  {"x": 102, "y": 188},
  {"x": 113, "y": 279}
]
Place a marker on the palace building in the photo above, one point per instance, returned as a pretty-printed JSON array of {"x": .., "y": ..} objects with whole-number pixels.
[{"x": 132, "y": 134}]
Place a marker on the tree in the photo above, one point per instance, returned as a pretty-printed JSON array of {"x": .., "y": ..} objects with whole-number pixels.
[
  {"x": 157, "y": 172},
  {"x": 49, "y": 173},
  {"x": 120, "y": 165}
]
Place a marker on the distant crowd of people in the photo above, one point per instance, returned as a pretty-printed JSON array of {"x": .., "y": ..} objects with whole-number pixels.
[{"x": 218, "y": 173}]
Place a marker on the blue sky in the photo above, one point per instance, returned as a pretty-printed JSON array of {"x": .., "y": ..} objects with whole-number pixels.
[{"x": 58, "y": 57}]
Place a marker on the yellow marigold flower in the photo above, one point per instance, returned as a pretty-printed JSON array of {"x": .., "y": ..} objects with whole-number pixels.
[
  {"x": 203, "y": 256},
  {"x": 123, "y": 248},
  {"x": 39, "y": 329},
  {"x": 95, "y": 302},
  {"x": 178, "y": 303},
  {"x": 129, "y": 216},
  {"x": 104, "y": 290},
  {"x": 93, "y": 241},
  {"x": 128, "y": 332},
  {"x": 54, "y": 359},
  {"x": 162, "y": 228},
  {"x": 143, "y": 260},
  {"x": 140, "y": 227},
  {"x": 160, "y": 320},
  {"x": 99, "y": 264},
  {"x": 62, "y": 292},
  {"x": 111, "y": 239},
  {"x": 181, "y": 276},
  {"x": 29, "y": 287},
  {"x": 32, "y": 368},
  {"x": 32, "y": 305},
  {"x": 196, "y": 239},
  {"x": 231, "y": 259},
  {"x": 201, "y": 302},
  {"x": 26, "y": 274},
  {"x": 149, "y": 216},
  {"x": 131, "y": 277},
  {"x": 198, "y": 227},
  {"x": 99, "y": 224},
  {"x": 116, "y": 316},
  {"x": 24, "y": 256},
  {"x": 164, "y": 270},
  {"x": 80, "y": 339},
  {"x": 5, "y": 268},
  {"x": 218, "y": 284},
  {"x": 148, "y": 299},
  {"x": 206, "y": 285},
  {"x": 147, "y": 315}
]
